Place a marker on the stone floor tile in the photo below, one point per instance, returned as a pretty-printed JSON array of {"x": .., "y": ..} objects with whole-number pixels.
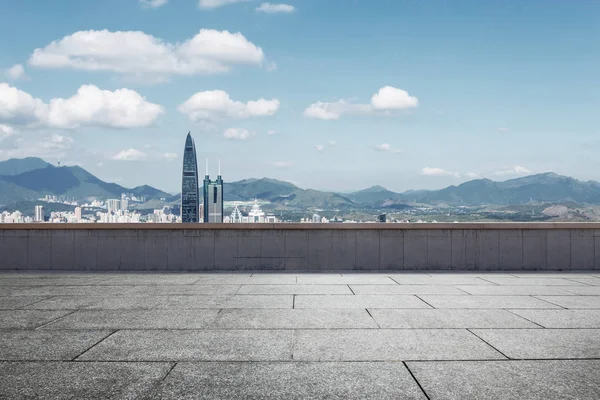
[
  {"x": 294, "y": 319},
  {"x": 534, "y": 281},
  {"x": 554, "y": 275},
  {"x": 390, "y": 345},
  {"x": 14, "y": 302},
  {"x": 28, "y": 319},
  {"x": 23, "y": 345},
  {"x": 283, "y": 279},
  {"x": 80, "y": 290},
  {"x": 135, "y": 319},
  {"x": 508, "y": 380},
  {"x": 344, "y": 280},
  {"x": 97, "y": 302},
  {"x": 168, "y": 290},
  {"x": 359, "y": 301},
  {"x": 77, "y": 381},
  {"x": 562, "y": 318},
  {"x": 581, "y": 302},
  {"x": 405, "y": 289},
  {"x": 439, "y": 280},
  {"x": 13, "y": 290},
  {"x": 238, "y": 301},
  {"x": 587, "y": 281},
  {"x": 492, "y": 290},
  {"x": 194, "y": 345},
  {"x": 153, "y": 279},
  {"x": 289, "y": 380},
  {"x": 443, "y": 319},
  {"x": 543, "y": 343},
  {"x": 442, "y": 301},
  {"x": 582, "y": 290},
  {"x": 294, "y": 289}
]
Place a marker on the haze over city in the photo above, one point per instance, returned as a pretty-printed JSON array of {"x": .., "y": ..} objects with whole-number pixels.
[{"x": 332, "y": 95}]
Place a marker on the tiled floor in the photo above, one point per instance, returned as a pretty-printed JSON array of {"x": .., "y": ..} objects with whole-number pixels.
[{"x": 296, "y": 336}]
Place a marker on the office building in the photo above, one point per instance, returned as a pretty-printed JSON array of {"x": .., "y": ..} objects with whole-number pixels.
[
  {"x": 77, "y": 214},
  {"x": 113, "y": 205},
  {"x": 189, "y": 184},
  {"x": 39, "y": 214},
  {"x": 213, "y": 198}
]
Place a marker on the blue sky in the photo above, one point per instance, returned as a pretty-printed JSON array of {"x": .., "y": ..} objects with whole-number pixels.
[{"x": 471, "y": 88}]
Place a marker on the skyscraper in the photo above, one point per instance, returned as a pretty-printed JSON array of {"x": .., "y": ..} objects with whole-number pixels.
[
  {"x": 213, "y": 198},
  {"x": 189, "y": 183},
  {"x": 39, "y": 214}
]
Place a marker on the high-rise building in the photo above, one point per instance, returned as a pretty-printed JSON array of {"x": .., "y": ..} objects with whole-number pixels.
[
  {"x": 78, "y": 214},
  {"x": 124, "y": 205},
  {"x": 213, "y": 198},
  {"x": 113, "y": 205},
  {"x": 189, "y": 183},
  {"x": 39, "y": 214}
]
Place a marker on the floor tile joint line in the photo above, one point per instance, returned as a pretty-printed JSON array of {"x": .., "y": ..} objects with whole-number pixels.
[
  {"x": 55, "y": 319},
  {"x": 484, "y": 341},
  {"x": 416, "y": 381},
  {"x": 94, "y": 345}
]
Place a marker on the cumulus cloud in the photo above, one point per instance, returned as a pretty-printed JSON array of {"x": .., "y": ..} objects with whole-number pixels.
[
  {"x": 90, "y": 106},
  {"x": 35, "y": 145},
  {"x": 427, "y": 171},
  {"x": 472, "y": 175},
  {"x": 516, "y": 170},
  {"x": 216, "y": 104},
  {"x": 153, "y": 3},
  {"x": 271, "y": 132},
  {"x": 238, "y": 134},
  {"x": 319, "y": 147},
  {"x": 137, "y": 54},
  {"x": 15, "y": 72},
  {"x": 387, "y": 99},
  {"x": 269, "y": 8},
  {"x": 281, "y": 164},
  {"x": 6, "y": 131},
  {"x": 210, "y": 4},
  {"x": 386, "y": 147},
  {"x": 130, "y": 155}
]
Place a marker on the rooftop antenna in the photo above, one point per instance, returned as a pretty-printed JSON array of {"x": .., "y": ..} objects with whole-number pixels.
[
  {"x": 219, "y": 161},
  {"x": 207, "y": 167}
]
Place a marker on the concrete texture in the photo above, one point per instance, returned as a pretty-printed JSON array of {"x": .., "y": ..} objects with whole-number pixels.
[
  {"x": 344, "y": 335},
  {"x": 300, "y": 247}
]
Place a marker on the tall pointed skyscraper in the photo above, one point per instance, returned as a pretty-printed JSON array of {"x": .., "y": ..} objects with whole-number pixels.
[{"x": 190, "y": 209}]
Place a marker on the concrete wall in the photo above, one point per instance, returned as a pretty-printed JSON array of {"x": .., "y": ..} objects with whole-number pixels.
[{"x": 300, "y": 247}]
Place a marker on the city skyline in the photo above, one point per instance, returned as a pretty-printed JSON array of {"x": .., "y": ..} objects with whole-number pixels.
[{"x": 424, "y": 94}]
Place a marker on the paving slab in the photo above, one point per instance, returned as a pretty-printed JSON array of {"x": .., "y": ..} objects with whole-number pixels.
[
  {"x": 294, "y": 289},
  {"x": 562, "y": 318},
  {"x": 543, "y": 343},
  {"x": 96, "y": 302},
  {"x": 448, "y": 319},
  {"x": 582, "y": 302},
  {"x": 168, "y": 290},
  {"x": 444, "y": 301},
  {"x": 533, "y": 281},
  {"x": 508, "y": 380},
  {"x": 560, "y": 275},
  {"x": 14, "y": 302},
  {"x": 152, "y": 279},
  {"x": 53, "y": 280},
  {"x": 359, "y": 301},
  {"x": 24, "y": 345},
  {"x": 289, "y": 380},
  {"x": 390, "y": 345},
  {"x": 439, "y": 280},
  {"x": 294, "y": 319},
  {"x": 587, "y": 281},
  {"x": 81, "y": 290},
  {"x": 194, "y": 345},
  {"x": 239, "y": 301},
  {"x": 28, "y": 319},
  {"x": 583, "y": 290},
  {"x": 76, "y": 381},
  {"x": 135, "y": 319},
  {"x": 249, "y": 280},
  {"x": 405, "y": 289},
  {"x": 492, "y": 290},
  {"x": 345, "y": 280},
  {"x": 12, "y": 290}
]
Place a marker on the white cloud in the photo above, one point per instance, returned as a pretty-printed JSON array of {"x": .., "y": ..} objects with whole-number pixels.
[
  {"x": 169, "y": 156},
  {"x": 6, "y": 131},
  {"x": 130, "y": 155},
  {"x": 271, "y": 132},
  {"x": 51, "y": 146},
  {"x": 153, "y": 3},
  {"x": 472, "y": 175},
  {"x": 427, "y": 171},
  {"x": 516, "y": 170},
  {"x": 15, "y": 72},
  {"x": 210, "y": 4},
  {"x": 275, "y": 8},
  {"x": 319, "y": 147},
  {"x": 385, "y": 100},
  {"x": 281, "y": 164},
  {"x": 216, "y": 104},
  {"x": 386, "y": 147},
  {"x": 123, "y": 108},
  {"x": 238, "y": 134},
  {"x": 137, "y": 54},
  {"x": 332, "y": 142}
]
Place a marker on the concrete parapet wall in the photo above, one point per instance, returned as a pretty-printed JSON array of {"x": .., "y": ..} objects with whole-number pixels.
[{"x": 300, "y": 247}]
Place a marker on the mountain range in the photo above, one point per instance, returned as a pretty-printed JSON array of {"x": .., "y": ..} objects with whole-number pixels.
[{"x": 31, "y": 178}]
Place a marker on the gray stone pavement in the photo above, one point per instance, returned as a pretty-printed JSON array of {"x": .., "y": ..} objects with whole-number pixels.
[{"x": 463, "y": 335}]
